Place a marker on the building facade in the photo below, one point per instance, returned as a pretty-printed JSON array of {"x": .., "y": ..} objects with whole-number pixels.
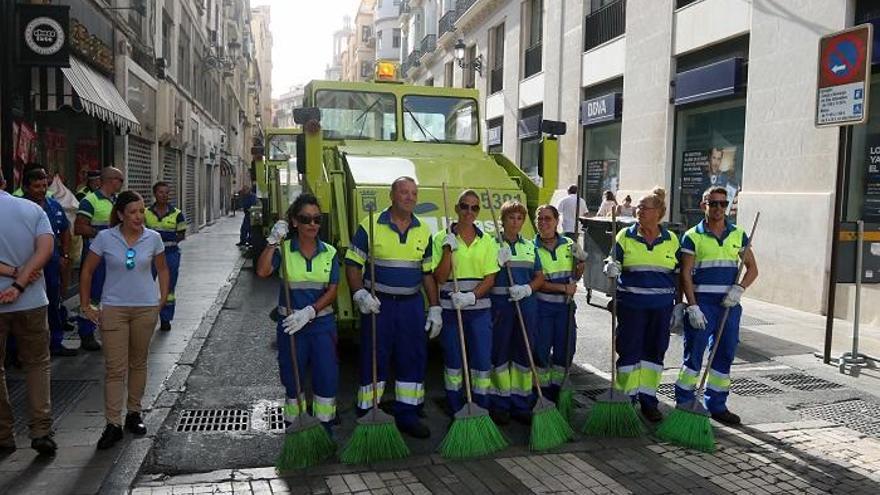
[
  {"x": 285, "y": 104},
  {"x": 262, "y": 36}
]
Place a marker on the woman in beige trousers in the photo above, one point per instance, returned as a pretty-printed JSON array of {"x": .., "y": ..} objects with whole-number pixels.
[{"x": 129, "y": 310}]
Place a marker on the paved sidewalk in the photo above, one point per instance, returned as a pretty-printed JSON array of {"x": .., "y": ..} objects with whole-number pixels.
[{"x": 210, "y": 262}]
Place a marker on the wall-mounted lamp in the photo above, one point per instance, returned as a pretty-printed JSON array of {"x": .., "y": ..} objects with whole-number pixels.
[{"x": 477, "y": 63}]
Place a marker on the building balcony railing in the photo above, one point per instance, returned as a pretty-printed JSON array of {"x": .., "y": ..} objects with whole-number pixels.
[
  {"x": 461, "y": 6},
  {"x": 413, "y": 58},
  {"x": 533, "y": 60},
  {"x": 496, "y": 80},
  {"x": 605, "y": 24},
  {"x": 404, "y": 7},
  {"x": 404, "y": 67},
  {"x": 429, "y": 43},
  {"x": 447, "y": 23}
]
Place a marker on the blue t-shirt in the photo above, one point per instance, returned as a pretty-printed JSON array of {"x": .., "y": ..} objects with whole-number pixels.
[
  {"x": 123, "y": 286},
  {"x": 23, "y": 221}
]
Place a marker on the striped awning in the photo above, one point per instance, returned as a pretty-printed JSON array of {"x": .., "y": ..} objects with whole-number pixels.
[{"x": 81, "y": 88}]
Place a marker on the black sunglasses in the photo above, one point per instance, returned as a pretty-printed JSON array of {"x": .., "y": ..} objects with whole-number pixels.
[
  {"x": 716, "y": 203},
  {"x": 305, "y": 219},
  {"x": 466, "y": 207}
]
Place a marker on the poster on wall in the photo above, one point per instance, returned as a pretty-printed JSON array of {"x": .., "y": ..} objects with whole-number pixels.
[
  {"x": 86, "y": 159},
  {"x": 702, "y": 169},
  {"x": 600, "y": 176},
  {"x": 55, "y": 143},
  {"x": 871, "y": 206}
]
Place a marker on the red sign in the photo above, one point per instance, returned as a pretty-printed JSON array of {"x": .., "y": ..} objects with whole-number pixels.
[
  {"x": 843, "y": 76},
  {"x": 842, "y": 58}
]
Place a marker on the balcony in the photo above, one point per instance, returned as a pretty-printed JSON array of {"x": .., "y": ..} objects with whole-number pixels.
[
  {"x": 605, "y": 24},
  {"x": 447, "y": 23},
  {"x": 404, "y": 7},
  {"x": 496, "y": 80},
  {"x": 429, "y": 43},
  {"x": 462, "y": 6},
  {"x": 533, "y": 60},
  {"x": 413, "y": 58}
]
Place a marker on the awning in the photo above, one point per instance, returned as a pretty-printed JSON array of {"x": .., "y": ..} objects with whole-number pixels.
[{"x": 80, "y": 87}]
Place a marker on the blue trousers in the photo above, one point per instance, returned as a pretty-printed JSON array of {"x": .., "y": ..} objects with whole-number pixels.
[
  {"x": 244, "y": 233},
  {"x": 512, "y": 382},
  {"x": 172, "y": 258},
  {"x": 696, "y": 343},
  {"x": 642, "y": 340},
  {"x": 550, "y": 345},
  {"x": 85, "y": 326},
  {"x": 316, "y": 354},
  {"x": 478, "y": 339},
  {"x": 52, "y": 274}
]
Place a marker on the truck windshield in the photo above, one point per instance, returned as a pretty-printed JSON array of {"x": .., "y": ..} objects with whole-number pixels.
[
  {"x": 357, "y": 115},
  {"x": 282, "y": 147},
  {"x": 440, "y": 119}
]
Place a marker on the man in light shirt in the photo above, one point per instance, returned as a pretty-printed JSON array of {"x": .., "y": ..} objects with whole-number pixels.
[{"x": 567, "y": 207}]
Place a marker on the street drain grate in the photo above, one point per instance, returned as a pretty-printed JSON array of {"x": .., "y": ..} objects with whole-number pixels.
[
  {"x": 272, "y": 418},
  {"x": 856, "y": 414},
  {"x": 594, "y": 393},
  {"x": 667, "y": 390},
  {"x": 751, "y": 321},
  {"x": 751, "y": 388},
  {"x": 803, "y": 381},
  {"x": 213, "y": 420},
  {"x": 65, "y": 394}
]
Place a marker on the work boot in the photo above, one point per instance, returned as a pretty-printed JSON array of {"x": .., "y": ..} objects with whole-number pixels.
[
  {"x": 165, "y": 326},
  {"x": 89, "y": 343},
  {"x": 7, "y": 447},
  {"x": 415, "y": 429},
  {"x": 651, "y": 413},
  {"x": 63, "y": 352},
  {"x": 500, "y": 417},
  {"x": 134, "y": 424},
  {"x": 112, "y": 434},
  {"x": 727, "y": 418},
  {"x": 44, "y": 445}
]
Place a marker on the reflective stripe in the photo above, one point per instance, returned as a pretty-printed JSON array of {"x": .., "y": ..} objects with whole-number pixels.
[
  {"x": 463, "y": 285},
  {"x": 552, "y": 298},
  {"x": 360, "y": 254},
  {"x": 452, "y": 379},
  {"x": 556, "y": 275},
  {"x": 482, "y": 303},
  {"x": 392, "y": 290},
  {"x": 720, "y": 382},
  {"x": 291, "y": 408},
  {"x": 500, "y": 291},
  {"x": 324, "y": 312},
  {"x": 687, "y": 378},
  {"x": 649, "y": 377},
  {"x": 557, "y": 374},
  {"x": 647, "y": 290},
  {"x": 171, "y": 298},
  {"x": 308, "y": 285},
  {"x": 412, "y": 393},
  {"x": 647, "y": 268},
  {"x": 365, "y": 394},
  {"x": 628, "y": 379},
  {"x": 712, "y": 289},
  {"x": 521, "y": 264},
  {"x": 501, "y": 380},
  {"x": 716, "y": 264},
  {"x": 543, "y": 376},
  {"x": 520, "y": 380},
  {"x": 399, "y": 264},
  {"x": 647, "y": 391},
  {"x": 170, "y": 243},
  {"x": 481, "y": 382},
  {"x": 324, "y": 408}
]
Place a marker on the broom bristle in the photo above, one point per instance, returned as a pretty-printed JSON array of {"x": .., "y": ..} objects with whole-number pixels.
[
  {"x": 613, "y": 419},
  {"x": 374, "y": 442},
  {"x": 549, "y": 430},
  {"x": 305, "y": 448},
  {"x": 472, "y": 436},
  {"x": 565, "y": 404},
  {"x": 688, "y": 429}
]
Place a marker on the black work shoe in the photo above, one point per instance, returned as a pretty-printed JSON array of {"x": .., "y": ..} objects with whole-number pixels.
[
  {"x": 165, "y": 326},
  {"x": 134, "y": 424},
  {"x": 112, "y": 434},
  {"x": 64, "y": 352},
  {"x": 523, "y": 418},
  {"x": 652, "y": 414},
  {"x": 415, "y": 429},
  {"x": 7, "y": 448},
  {"x": 44, "y": 445},
  {"x": 500, "y": 418},
  {"x": 89, "y": 343},
  {"x": 726, "y": 417}
]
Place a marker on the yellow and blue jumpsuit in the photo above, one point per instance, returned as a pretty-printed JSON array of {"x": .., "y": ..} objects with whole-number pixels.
[
  {"x": 512, "y": 385},
  {"x": 316, "y": 352},
  {"x": 402, "y": 260},
  {"x": 554, "y": 315},
  {"x": 472, "y": 264},
  {"x": 168, "y": 227},
  {"x": 645, "y": 298},
  {"x": 97, "y": 208},
  {"x": 715, "y": 267}
]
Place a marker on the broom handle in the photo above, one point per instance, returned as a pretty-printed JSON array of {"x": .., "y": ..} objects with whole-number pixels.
[
  {"x": 570, "y": 299},
  {"x": 721, "y": 324},
  {"x": 293, "y": 358},
  {"x": 466, "y": 371},
  {"x": 519, "y": 316},
  {"x": 372, "y": 261},
  {"x": 613, "y": 303}
]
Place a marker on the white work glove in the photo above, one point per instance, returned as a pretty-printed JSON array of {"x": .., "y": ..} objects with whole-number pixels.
[
  {"x": 612, "y": 268},
  {"x": 676, "y": 323},
  {"x": 279, "y": 232},
  {"x": 733, "y": 296},
  {"x": 577, "y": 252},
  {"x": 300, "y": 318},
  {"x": 696, "y": 317},
  {"x": 504, "y": 255},
  {"x": 435, "y": 321},
  {"x": 519, "y": 292},
  {"x": 462, "y": 299},
  {"x": 366, "y": 302},
  {"x": 450, "y": 241}
]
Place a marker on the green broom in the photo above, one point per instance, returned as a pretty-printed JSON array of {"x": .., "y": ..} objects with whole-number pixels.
[
  {"x": 306, "y": 442},
  {"x": 565, "y": 400},
  {"x": 473, "y": 433},
  {"x": 613, "y": 415},
  {"x": 689, "y": 425},
  {"x": 376, "y": 437},
  {"x": 549, "y": 428}
]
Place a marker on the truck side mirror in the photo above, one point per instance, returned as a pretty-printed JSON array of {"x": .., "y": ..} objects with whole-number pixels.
[
  {"x": 303, "y": 115},
  {"x": 301, "y": 154},
  {"x": 553, "y": 127}
]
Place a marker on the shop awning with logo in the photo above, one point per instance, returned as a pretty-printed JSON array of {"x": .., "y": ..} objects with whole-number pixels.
[{"x": 81, "y": 88}]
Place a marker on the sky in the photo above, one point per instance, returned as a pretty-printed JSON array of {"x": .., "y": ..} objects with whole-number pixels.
[{"x": 302, "y": 36}]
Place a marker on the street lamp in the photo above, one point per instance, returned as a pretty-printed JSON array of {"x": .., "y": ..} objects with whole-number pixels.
[{"x": 458, "y": 53}]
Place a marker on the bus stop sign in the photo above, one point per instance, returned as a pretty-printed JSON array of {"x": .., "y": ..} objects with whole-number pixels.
[{"x": 844, "y": 73}]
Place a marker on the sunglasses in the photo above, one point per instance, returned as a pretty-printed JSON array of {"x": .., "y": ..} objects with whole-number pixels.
[
  {"x": 466, "y": 207},
  {"x": 714, "y": 204},
  {"x": 305, "y": 219},
  {"x": 129, "y": 258}
]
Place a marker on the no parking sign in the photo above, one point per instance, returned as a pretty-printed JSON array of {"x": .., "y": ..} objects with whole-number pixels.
[{"x": 844, "y": 73}]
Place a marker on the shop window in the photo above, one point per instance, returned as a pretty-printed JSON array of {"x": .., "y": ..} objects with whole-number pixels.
[
  {"x": 529, "y": 131},
  {"x": 533, "y": 23},
  {"x": 495, "y": 135},
  {"x": 863, "y": 177},
  {"x": 601, "y": 170}
]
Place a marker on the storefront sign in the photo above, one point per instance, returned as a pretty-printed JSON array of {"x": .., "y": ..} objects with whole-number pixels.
[
  {"x": 605, "y": 108},
  {"x": 871, "y": 206},
  {"x": 42, "y": 35},
  {"x": 844, "y": 76},
  {"x": 600, "y": 176},
  {"x": 716, "y": 80},
  {"x": 493, "y": 136}
]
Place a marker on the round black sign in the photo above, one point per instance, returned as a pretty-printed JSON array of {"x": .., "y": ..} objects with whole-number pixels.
[{"x": 44, "y": 36}]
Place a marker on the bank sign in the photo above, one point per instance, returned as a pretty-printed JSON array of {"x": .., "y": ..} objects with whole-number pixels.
[
  {"x": 42, "y": 35},
  {"x": 605, "y": 108},
  {"x": 844, "y": 73}
]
